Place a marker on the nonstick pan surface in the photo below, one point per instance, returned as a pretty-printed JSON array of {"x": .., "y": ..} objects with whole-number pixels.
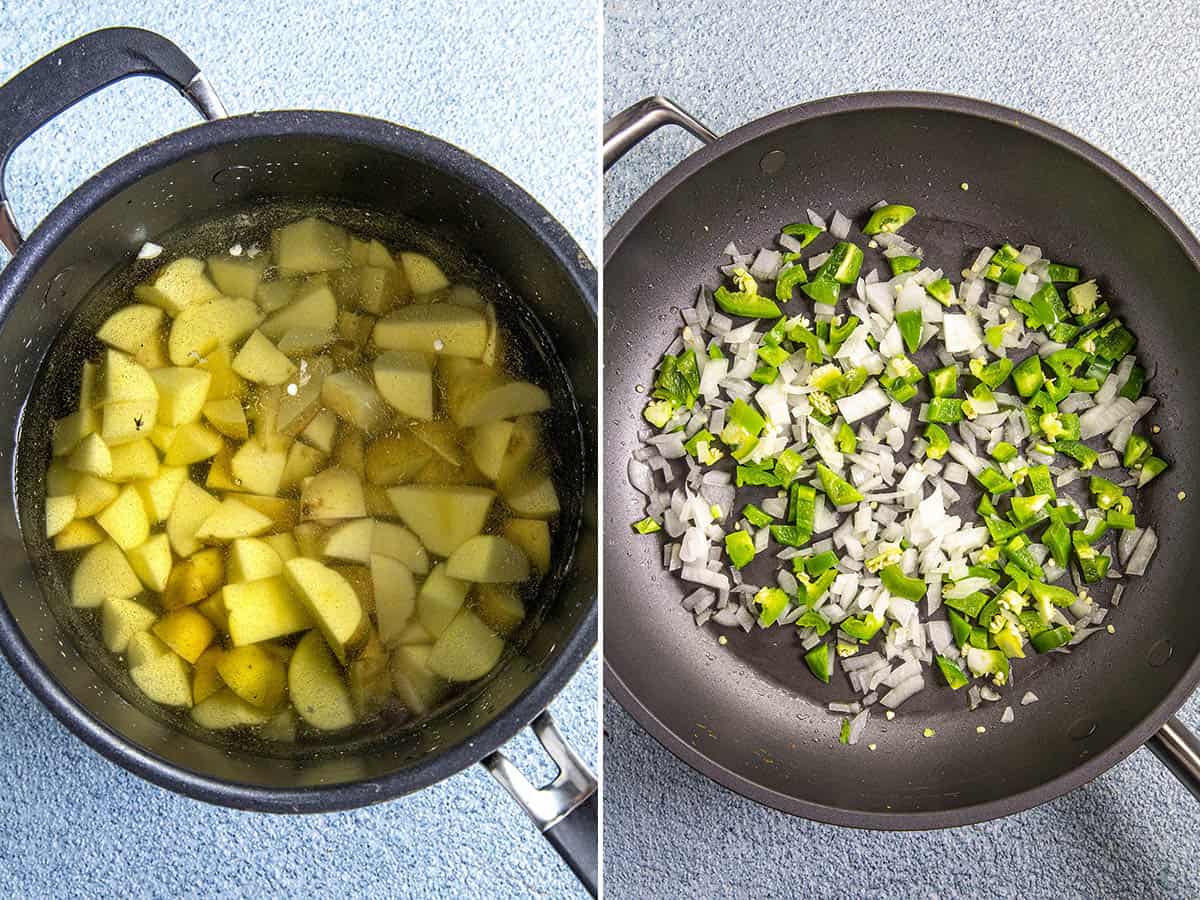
[{"x": 748, "y": 714}]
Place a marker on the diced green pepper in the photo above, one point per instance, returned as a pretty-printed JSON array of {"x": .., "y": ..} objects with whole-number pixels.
[
  {"x": 1151, "y": 468},
  {"x": 994, "y": 373},
  {"x": 814, "y": 620},
  {"x": 787, "y": 464},
  {"x": 787, "y": 281},
  {"x": 1137, "y": 448},
  {"x": 994, "y": 335},
  {"x": 764, "y": 374},
  {"x": 771, "y": 602},
  {"x": 846, "y": 440},
  {"x": 1051, "y": 638},
  {"x": 938, "y": 441},
  {"x": 983, "y": 661},
  {"x": 1004, "y": 452},
  {"x": 1017, "y": 552},
  {"x": 902, "y": 264},
  {"x": 1078, "y": 451},
  {"x": 969, "y": 605},
  {"x": 822, "y": 289},
  {"x": 1064, "y": 362},
  {"x": 739, "y": 546},
  {"x": 844, "y": 263},
  {"x": 818, "y": 662},
  {"x": 791, "y": 535},
  {"x": 1058, "y": 539},
  {"x": 945, "y": 410},
  {"x": 1027, "y": 510},
  {"x": 759, "y": 473},
  {"x": 773, "y": 355},
  {"x": 1106, "y": 493},
  {"x": 862, "y": 629},
  {"x": 1048, "y": 305},
  {"x": 646, "y": 526},
  {"x": 1083, "y": 297},
  {"x": 1132, "y": 389},
  {"x": 839, "y": 491},
  {"x": 819, "y": 563},
  {"x": 955, "y": 677},
  {"x": 701, "y": 446},
  {"x": 1122, "y": 520},
  {"x": 1093, "y": 566},
  {"x": 994, "y": 482},
  {"x": 900, "y": 585},
  {"x": 804, "y": 232},
  {"x": 941, "y": 290},
  {"x": 1051, "y": 594},
  {"x": 944, "y": 381},
  {"x": 1028, "y": 376},
  {"x": 959, "y": 627},
  {"x": 659, "y": 412},
  {"x": 756, "y": 516},
  {"x": 980, "y": 638},
  {"x": 1113, "y": 340},
  {"x": 890, "y": 218},
  {"x": 1062, "y": 273},
  {"x": 740, "y": 303},
  {"x": 910, "y": 322}
]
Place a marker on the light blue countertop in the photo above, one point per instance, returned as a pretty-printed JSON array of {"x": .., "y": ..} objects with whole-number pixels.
[
  {"x": 513, "y": 83},
  {"x": 1119, "y": 75}
]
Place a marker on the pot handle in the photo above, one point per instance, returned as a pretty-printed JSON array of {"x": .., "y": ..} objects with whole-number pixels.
[
  {"x": 566, "y": 811},
  {"x": 1179, "y": 750},
  {"x": 630, "y": 126},
  {"x": 76, "y": 70}
]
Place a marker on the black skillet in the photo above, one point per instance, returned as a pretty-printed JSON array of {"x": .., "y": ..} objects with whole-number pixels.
[
  {"x": 747, "y": 714},
  {"x": 379, "y": 174}
]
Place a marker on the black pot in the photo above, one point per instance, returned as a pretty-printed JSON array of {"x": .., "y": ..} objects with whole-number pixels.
[{"x": 211, "y": 170}]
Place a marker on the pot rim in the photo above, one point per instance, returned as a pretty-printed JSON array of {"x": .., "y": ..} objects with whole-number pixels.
[
  {"x": 1088, "y": 769},
  {"x": 347, "y": 128}
]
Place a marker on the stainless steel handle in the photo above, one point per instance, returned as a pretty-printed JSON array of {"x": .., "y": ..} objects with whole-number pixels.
[
  {"x": 566, "y": 809},
  {"x": 627, "y": 128},
  {"x": 1179, "y": 750},
  {"x": 59, "y": 80}
]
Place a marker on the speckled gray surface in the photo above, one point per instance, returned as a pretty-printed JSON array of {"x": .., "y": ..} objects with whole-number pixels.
[
  {"x": 1114, "y": 73},
  {"x": 515, "y": 84}
]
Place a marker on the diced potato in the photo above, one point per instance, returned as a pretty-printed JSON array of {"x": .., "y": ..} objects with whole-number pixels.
[
  {"x": 70, "y": 430},
  {"x": 440, "y": 599},
  {"x": 220, "y": 472},
  {"x": 251, "y": 559},
  {"x": 414, "y": 633},
  {"x": 206, "y": 680},
  {"x": 151, "y": 562},
  {"x": 185, "y": 586},
  {"x": 228, "y": 417},
  {"x": 60, "y": 480},
  {"x": 370, "y": 253},
  {"x": 281, "y": 727},
  {"x": 225, "y": 382},
  {"x": 498, "y": 400},
  {"x": 490, "y": 559},
  {"x": 467, "y": 650},
  {"x": 258, "y": 470},
  {"x": 313, "y": 307},
  {"x": 262, "y": 610},
  {"x": 283, "y": 512},
  {"x": 192, "y": 506},
  {"x": 158, "y": 493},
  {"x": 354, "y": 400},
  {"x": 443, "y": 438},
  {"x": 138, "y": 331},
  {"x": 161, "y": 437},
  {"x": 274, "y": 295},
  {"x": 375, "y": 289},
  {"x": 332, "y": 603},
  {"x": 396, "y": 458},
  {"x": 128, "y": 420},
  {"x": 522, "y": 451},
  {"x": 423, "y": 274},
  {"x": 359, "y": 578},
  {"x": 224, "y": 709},
  {"x": 493, "y": 349},
  {"x": 135, "y": 461},
  {"x": 209, "y": 565},
  {"x": 303, "y": 462},
  {"x": 92, "y": 494},
  {"x": 182, "y": 393},
  {"x": 311, "y": 245},
  {"x": 59, "y": 513},
  {"x": 533, "y": 497},
  {"x": 91, "y": 457},
  {"x": 213, "y": 609},
  {"x": 164, "y": 679},
  {"x": 89, "y": 384},
  {"x": 397, "y": 542},
  {"x": 355, "y": 328},
  {"x": 335, "y": 493},
  {"x": 310, "y": 539},
  {"x": 315, "y": 684},
  {"x": 121, "y": 619},
  {"x": 255, "y": 675},
  {"x": 416, "y": 687},
  {"x": 103, "y": 572},
  {"x": 349, "y": 451},
  {"x": 300, "y": 341},
  {"x": 378, "y": 504},
  {"x": 532, "y": 536},
  {"x": 297, "y": 410},
  {"x": 185, "y": 631},
  {"x": 488, "y": 445},
  {"x": 321, "y": 431},
  {"x": 434, "y": 328},
  {"x": 203, "y": 327},
  {"x": 369, "y": 680},
  {"x": 262, "y": 362},
  {"x": 231, "y": 520},
  {"x": 177, "y": 285},
  {"x": 125, "y": 519},
  {"x": 123, "y": 379},
  {"x": 193, "y": 443},
  {"x": 405, "y": 380},
  {"x": 442, "y": 517},
  {"x": 144, "y": 647},
  {"x": 395, "y": 596},
  {"x": 350, "y": 541},
  {"x": 77, "y": 534},
  {"x": 465, "y": 295},
  {"x": 500, "y": 607},
  {"x": 237, "y": 276},
  {"x": 283, "y": 544}
]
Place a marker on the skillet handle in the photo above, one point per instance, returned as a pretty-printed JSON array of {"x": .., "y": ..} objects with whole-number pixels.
[
  {"x": 58, "y": 81},
  {"x": 1179, "y": 750},
  {"x": 629, "y": 127},
  {"x": 566, "y": 811}
]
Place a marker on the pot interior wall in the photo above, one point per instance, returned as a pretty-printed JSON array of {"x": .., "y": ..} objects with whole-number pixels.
[{"x": 378, "y": 192}]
